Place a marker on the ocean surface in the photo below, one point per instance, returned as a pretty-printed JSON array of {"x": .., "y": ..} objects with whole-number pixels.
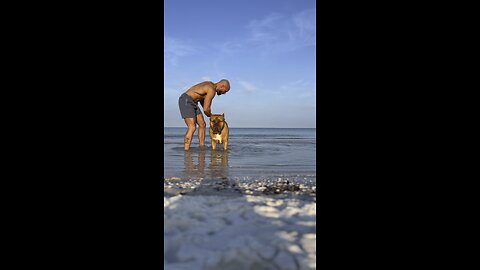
[{"x": 254, "y": 154}]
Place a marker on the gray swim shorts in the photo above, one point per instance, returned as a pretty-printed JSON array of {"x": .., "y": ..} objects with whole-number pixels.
[{"x": 188, "y": 108}]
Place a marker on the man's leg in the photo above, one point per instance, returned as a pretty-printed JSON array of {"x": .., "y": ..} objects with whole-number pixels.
[
  {"x": 189, "y": 135},
  {"x": 202, "y": 127}
]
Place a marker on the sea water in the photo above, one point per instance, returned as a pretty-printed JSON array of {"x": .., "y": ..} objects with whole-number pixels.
[{"x": 254, "y": 154}]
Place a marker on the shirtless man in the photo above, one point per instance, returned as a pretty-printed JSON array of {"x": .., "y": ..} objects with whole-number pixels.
[{"x": 204, "y": 93}]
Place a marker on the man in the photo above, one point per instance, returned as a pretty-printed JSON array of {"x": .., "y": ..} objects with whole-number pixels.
[{"x": 204, "y": 93}]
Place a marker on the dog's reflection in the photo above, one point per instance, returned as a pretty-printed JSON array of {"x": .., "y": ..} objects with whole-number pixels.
[
  {"x": 219, "y": 164},
  {"x": 218, "y": 167}
]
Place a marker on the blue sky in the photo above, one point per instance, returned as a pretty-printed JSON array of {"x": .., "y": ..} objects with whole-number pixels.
[{"x": 265, "y": 48}]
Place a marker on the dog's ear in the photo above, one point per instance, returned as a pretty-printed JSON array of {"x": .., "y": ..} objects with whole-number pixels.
[{"x": 223, "y": 115}]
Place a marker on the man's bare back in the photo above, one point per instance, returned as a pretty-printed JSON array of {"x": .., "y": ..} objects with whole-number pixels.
[
  {"x": 199, "y": 91},
  {"x": 204, "y": 93}
]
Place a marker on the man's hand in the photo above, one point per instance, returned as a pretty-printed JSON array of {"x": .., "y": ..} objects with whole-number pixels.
[{"x": 207, "y": 113}]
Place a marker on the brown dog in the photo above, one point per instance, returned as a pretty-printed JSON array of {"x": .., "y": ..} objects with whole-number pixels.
[{"x": 218, "y": 130}]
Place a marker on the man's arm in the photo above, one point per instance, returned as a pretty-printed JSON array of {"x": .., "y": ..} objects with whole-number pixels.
[{"x": 207, "y": 102}]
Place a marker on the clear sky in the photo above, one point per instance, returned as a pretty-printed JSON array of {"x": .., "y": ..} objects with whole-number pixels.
[{"x": 265, "y": 48}]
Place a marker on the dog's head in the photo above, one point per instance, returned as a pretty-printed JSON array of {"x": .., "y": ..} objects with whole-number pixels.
[{"x": 216, "y": 122}]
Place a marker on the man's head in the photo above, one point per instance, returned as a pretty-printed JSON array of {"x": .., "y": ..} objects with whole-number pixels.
[{"x": 223, "y": 86}]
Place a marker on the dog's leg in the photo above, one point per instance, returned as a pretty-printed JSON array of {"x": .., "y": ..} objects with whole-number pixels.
[{"x": 225, "y": 145}]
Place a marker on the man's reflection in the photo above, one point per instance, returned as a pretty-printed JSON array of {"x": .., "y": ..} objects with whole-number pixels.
[
  {"x": 192, "y": 170},
  {"x": 201, "y": 162},
  {"x": 218, "y": 167}
]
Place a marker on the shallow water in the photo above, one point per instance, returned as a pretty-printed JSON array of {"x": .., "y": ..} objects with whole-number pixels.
[{"x": 265, "y": 158}]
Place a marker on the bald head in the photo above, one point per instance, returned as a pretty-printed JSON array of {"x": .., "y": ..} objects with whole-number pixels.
[
  {"x": 226, "y": 83},
  {"x": 223, "y": 86}
]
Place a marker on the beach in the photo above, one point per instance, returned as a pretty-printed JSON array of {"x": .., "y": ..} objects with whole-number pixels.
[{"x": 250, "y": 207}]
